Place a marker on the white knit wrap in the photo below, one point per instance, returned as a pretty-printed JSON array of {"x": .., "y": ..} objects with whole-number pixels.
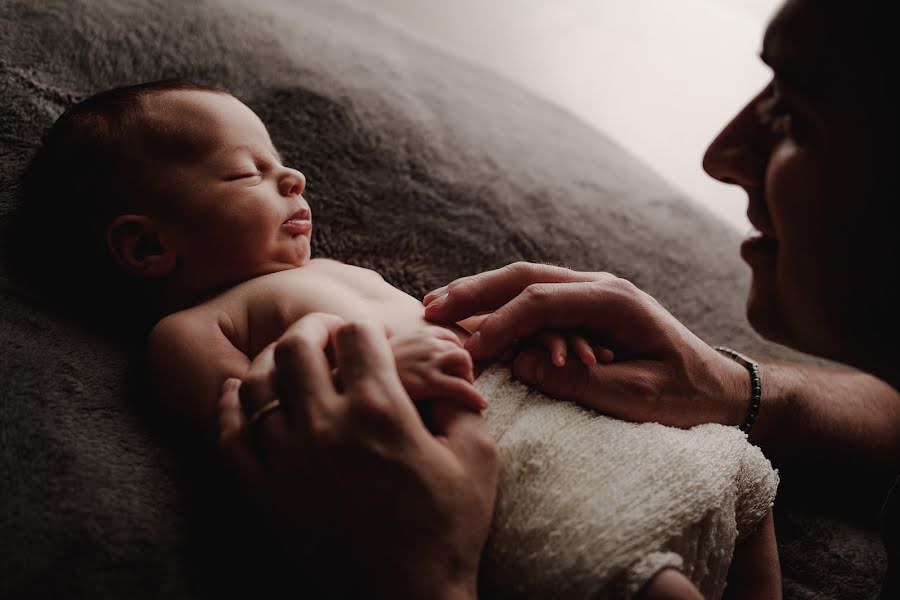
[{"x": 593, "y": 507}]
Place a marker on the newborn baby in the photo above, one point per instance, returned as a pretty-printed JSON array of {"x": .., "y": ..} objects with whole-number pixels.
[{"x": 197, "y": 207}]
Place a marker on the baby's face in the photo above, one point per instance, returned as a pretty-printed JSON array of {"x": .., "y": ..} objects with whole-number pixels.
[{"x": 229, "y": 207}]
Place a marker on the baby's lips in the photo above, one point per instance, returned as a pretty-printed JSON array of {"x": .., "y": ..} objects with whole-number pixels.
[
  {"x": 302, "y": 214},
  {"x": 299, "y": 223},
  {"x": 297, "y": 226}
]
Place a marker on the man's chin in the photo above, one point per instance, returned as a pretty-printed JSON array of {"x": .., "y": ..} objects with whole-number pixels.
[
  {"x": 770, "y": 318},
  {"x": 802, "y": 322},
  {"x": 766, "y": 316}
]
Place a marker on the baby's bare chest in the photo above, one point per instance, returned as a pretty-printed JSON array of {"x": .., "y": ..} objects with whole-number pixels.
[{"x": 262, "y": 309}]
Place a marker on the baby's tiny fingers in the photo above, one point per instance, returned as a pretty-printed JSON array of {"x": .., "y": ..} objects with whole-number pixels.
[
  {"x": 460, "y": 391},
  {"x": 459, "y": 364},
  {"x": 581, "y": 347},
  {"x": 555, "y": 344},
  {"x": 444, "y": 334},
  {"x": 234, "y": 442},
  {"x": 604, "y": 355}
]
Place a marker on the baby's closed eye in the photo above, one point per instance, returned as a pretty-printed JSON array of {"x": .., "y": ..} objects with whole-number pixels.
[{"x": 240, "y": 176}]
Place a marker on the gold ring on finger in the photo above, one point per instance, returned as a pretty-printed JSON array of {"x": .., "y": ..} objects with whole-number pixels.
[{"x": 263, "y": 410}]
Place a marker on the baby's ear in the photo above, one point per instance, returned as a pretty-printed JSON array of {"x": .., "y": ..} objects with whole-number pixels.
[{"x": 137, "y": 246}]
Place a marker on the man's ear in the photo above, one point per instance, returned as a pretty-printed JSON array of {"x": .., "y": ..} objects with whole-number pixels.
[{"x": 137, "y": 246}]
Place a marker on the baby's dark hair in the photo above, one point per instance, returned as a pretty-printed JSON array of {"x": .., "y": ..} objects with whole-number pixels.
[{"x": 91, "y": 166}]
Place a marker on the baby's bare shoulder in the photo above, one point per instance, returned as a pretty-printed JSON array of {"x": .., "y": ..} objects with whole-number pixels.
[
  {"x": 190, "y": 356},
  {"x": 343, "y": 269},
  {"x": 200, "y": 324}
]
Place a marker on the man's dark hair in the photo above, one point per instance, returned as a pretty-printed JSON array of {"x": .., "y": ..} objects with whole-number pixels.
[{"x": 91, "y": 166}]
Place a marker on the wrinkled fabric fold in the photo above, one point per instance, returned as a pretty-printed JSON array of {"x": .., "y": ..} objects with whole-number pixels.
[{"x": 594, "y": 507}]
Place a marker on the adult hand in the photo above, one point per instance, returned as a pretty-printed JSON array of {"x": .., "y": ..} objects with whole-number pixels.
[
  {"x": 662, "y": 372},
  {"x": 348, "y": 468}
]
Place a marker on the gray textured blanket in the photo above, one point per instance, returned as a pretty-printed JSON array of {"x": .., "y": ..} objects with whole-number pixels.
[{"x": 419, "y": 166}]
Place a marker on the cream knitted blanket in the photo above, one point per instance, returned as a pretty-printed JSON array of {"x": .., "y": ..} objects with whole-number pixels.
[{"x": 593, "y": 507}]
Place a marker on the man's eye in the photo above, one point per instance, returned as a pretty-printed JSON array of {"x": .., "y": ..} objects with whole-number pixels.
[{"x": 780, "y": 120}]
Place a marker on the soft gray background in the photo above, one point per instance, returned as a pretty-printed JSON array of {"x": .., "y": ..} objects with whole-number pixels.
[
  {"x": 419, "y": 166},
  {"x": 660, "y": 78}
]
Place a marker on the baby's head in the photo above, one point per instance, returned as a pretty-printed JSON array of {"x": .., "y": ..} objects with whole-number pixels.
[{"x": 169, "y": 187}]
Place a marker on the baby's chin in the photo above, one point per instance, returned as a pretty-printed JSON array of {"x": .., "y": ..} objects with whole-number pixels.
[{"x": 304, "y": 251}]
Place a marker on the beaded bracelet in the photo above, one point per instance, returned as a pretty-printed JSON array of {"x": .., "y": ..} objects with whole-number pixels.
[{"x": 755, "y": 383}]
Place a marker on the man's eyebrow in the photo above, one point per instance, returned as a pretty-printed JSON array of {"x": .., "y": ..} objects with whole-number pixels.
[
  {"x": 791, "y": 67},
  {"x": 787, "y": 72}
]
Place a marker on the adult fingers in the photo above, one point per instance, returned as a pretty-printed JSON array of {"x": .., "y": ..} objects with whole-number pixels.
[
  {"x": 610, "y": 309},
  {"x": 486, "y": 291},
  {"x": 368, "y": 372},
  {"x": 257, "y": 392},
  {"x": 362, "y": 350},
  {"x": 303, "y": 371},
  {"x": 628, "y": 391},
  {"x": 539, "y": 307},
  {"x": 466, "y": 435},
  {"x": 234, "y": 441},
  {"x": 256, "y": 389},
  {"x": 231, "y": 417}
]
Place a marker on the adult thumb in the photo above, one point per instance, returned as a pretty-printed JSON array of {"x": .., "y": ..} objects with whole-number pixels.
[{"x": 465, "y": 433}]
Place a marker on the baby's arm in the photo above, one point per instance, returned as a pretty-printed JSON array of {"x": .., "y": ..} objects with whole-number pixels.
[
  {"x": 190, "y": 358},
  {"x": 670, "y": 584},
  {"x": 755, "y": 570}
]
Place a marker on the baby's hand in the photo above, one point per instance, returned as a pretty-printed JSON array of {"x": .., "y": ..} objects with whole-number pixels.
[
  {"x": 433, "y": 365},
  {"x": 559, "y": 345}
]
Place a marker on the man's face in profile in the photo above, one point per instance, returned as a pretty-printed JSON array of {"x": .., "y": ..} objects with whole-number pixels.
[{"x": 807, "y": 151}]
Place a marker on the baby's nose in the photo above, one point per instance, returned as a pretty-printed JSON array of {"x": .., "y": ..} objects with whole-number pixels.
[{"x": 292, "y": 183}]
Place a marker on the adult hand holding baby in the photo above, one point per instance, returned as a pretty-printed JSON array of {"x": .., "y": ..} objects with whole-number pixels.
[
  {"x": 347, "y": 465},
  {"x": 661, "y": 372}
]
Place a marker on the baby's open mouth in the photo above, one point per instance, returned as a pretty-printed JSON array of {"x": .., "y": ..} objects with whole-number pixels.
[{"x": 299, "y": 223}]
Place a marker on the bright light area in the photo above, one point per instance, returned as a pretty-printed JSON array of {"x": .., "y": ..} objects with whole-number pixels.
[{"x": 661, "y": 77}]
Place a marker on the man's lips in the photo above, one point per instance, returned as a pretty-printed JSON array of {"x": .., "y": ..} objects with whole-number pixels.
[
  {"x": 759, "y": 248},
  {"x": 299, "y": 223},
  {"x": 758, "y": 215},
  {"x": 761, "y": 230}
]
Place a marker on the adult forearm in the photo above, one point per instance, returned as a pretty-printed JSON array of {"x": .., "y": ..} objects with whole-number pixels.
[{"x": 834, "y": 419}]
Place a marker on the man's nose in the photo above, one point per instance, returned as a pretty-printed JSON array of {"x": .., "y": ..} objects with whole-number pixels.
[
  {"x": 292, "y": 183},
  {"x": 740, "y": 153}
]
